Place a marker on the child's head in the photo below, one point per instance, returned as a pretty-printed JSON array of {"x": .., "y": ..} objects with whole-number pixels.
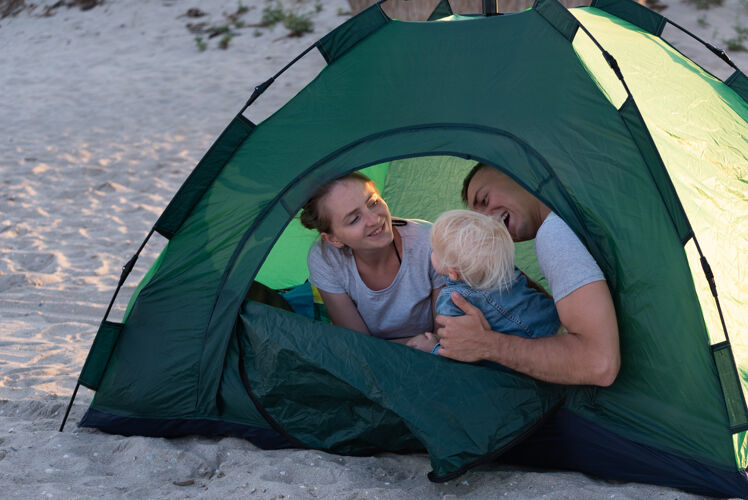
[{"x": 474, "y": 248}]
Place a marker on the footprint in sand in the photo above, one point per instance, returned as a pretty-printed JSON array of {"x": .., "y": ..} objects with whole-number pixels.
[
  {"x": 34, "y": 262},
  {"x": 8, "y": 281}
]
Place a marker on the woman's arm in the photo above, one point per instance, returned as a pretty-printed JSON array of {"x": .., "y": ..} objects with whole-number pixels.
[
  {"x": 343, "y": 312},
  {"x": 434, "y": 296}
]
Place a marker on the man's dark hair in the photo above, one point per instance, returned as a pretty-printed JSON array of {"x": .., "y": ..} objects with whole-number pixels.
[{"x": 468, "y": 178}]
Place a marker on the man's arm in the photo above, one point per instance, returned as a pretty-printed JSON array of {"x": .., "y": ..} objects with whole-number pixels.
[{"x": 588, "y": 354}]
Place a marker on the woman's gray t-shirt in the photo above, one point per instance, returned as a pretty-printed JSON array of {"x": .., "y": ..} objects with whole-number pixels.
[{"x": 403, "y": 309}]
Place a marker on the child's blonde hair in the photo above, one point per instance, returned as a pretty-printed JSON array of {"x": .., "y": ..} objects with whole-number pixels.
[{"x": 477, "y": 246}]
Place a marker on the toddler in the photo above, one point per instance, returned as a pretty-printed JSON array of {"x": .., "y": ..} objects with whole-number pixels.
[{"x": 476, "y": 253}]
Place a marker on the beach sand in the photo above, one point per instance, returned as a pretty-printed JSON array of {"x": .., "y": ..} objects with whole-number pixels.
[{"x": 103, "y": 114}]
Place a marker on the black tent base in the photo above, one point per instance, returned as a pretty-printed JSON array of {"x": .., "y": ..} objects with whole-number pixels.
[
  {"x": 267, "y": 439},
  {"x": 568, "y": 441},
  {"x": 565, "y": 441}
]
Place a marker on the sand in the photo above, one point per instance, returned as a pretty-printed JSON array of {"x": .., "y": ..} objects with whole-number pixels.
[{"x": 103, "y": 113}]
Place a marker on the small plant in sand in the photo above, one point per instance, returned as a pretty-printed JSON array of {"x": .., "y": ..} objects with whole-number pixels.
[
  {"x": 215, "y": 31},
  {"x": 737, "y": 43},
  {"x": 225, "y": 40},
  {"x": 272, "y": 14},
  {"x": 298, "y": 24},
  {"x": 225, "y": 30},
  {"x": 702, "y": 22},
  {"x": 233, "y": 18},
  {"x": 201, "y": 45}
]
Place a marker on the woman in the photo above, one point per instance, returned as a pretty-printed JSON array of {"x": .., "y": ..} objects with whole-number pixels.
[{"x": 373, "y": 273}]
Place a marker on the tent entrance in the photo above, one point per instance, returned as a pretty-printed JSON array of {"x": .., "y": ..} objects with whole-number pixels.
[{"x": 417, "y": 185}]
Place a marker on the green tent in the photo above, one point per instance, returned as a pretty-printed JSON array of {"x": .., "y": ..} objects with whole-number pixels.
[{"x": 634, "y": 145}]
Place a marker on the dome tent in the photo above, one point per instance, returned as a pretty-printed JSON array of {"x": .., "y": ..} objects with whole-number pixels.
[{"x": 635, "y": 165}]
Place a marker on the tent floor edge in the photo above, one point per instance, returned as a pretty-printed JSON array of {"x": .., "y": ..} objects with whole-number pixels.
[
  {"x": 494, "y": 455},
  {"x": 570, "y": 442},
  {"x": 267, "y": 439}
]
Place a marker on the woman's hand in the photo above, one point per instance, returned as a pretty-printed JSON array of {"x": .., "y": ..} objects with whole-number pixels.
[{"x": 423, "y": 342}]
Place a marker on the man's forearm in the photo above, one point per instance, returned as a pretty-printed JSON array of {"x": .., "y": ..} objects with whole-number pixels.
[
  {"x": 560, "y": 359},
  {"x": 588, "y": 354}
]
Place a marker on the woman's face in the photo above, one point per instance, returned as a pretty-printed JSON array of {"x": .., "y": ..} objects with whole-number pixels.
[{"x": 359, "y": 218}]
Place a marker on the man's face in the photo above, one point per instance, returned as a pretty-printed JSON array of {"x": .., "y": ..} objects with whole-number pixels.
[{"x": 493, "y": 193}]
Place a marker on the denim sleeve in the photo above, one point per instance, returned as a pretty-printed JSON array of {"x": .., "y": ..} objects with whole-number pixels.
[{"x": 444, "y": 304}]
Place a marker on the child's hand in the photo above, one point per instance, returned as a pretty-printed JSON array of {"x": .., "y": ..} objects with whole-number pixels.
[{"x": 424, "y": 342}]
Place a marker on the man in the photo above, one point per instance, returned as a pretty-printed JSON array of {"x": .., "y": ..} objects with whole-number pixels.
[{"x": 589, "y": 352}]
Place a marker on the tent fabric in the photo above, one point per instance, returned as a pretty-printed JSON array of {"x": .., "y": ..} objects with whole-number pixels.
[
  {"x": 634, "y": 13},
  {"x": 203, "y": 175},
  {"x": 699, "y": 128},
  {"x": 442, "y": 9},
  {"x": 330, "y": 408},
  {"x": 568, "y": 441},
  {"x": 739, "y": 83},
  {"x": 633, "y": 175}
]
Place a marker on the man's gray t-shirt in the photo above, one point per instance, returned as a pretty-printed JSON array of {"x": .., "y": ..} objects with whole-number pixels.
[
  {"x": 403, "y": 309},
  {"x": 563, "y": 258}
]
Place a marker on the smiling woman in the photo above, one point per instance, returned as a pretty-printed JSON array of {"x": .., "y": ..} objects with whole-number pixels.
[{"x": 373, "y": 273}]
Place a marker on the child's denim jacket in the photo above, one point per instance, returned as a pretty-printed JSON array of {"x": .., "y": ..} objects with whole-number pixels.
[{"x": 519, "y": 310}]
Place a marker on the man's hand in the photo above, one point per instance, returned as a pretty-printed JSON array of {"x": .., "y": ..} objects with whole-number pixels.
[
  {"x": 465, "y": 338},
  {"x": 587, "y": 354},
  {"x": 423, "y": 342}
]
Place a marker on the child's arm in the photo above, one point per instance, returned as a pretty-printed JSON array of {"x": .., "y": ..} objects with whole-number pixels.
[{"x": 423, "y": 342}]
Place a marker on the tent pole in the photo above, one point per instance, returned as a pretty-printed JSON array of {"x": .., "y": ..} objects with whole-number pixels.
[
  {"x": 490, "y": 7},
  {"x": 126, "y": 269},
  {"x": 716, "y": 50},
  {"x": 70, "y": 405},
  {"x": 264, "y": 86},
  {"x": 712, "y": 285}
]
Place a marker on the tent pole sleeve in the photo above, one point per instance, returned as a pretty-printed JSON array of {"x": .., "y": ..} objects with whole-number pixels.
[
  {"x": 727, "y": 369},
  {"x": 70, "y": 405}
]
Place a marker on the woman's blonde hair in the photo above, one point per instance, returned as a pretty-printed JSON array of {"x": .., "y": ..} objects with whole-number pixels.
[{"x": 477, "y": 246}]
